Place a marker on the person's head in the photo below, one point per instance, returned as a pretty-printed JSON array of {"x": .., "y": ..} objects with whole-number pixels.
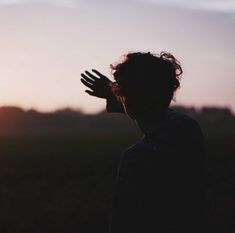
[{"x": 146, "y": 83}]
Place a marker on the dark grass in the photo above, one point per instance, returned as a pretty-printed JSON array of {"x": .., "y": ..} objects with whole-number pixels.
[{"x": 58, "y": 183}]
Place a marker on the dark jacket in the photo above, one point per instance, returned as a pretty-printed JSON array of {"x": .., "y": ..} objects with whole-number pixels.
[{"x": 160, "y": 182}]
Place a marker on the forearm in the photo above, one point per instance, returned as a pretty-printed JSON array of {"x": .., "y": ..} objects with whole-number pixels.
[{"x": 113, "y": 106}]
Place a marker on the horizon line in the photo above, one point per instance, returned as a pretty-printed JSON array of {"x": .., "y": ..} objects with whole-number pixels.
[{"x": 80, "y": 111}]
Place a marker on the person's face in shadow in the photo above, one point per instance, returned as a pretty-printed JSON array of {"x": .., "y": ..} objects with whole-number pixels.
[{"x": 135, "y": 108}]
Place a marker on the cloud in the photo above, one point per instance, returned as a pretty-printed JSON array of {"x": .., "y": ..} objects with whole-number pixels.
[
  {"x": 61, "y": 3},
  {"x": 224, "y": 6},
  {"x": 208, "y": 5},
  {"x": 64, "y": 3},
  {"x": 11, "y": 2}
]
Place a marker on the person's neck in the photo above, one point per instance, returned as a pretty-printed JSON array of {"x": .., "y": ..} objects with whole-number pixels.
[{"x": 150, "y": 123}]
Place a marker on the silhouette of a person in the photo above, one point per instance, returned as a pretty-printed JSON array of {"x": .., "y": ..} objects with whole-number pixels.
[{"x": 160, "y": 182}]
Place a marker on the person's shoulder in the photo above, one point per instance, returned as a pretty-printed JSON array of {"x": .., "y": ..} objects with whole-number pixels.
[
  {"x": 134, "y": 153},
  {"x": 183, "y": 121},
  {"x": 175, "y": 115},
  {"x": 186, "y": 127}
]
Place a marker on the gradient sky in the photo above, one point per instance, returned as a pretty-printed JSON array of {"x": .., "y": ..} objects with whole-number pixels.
[{"x": 46, "y": 44}]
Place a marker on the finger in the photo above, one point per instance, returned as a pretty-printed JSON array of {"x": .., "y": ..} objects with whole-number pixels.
[
  {"x": 99, "y": 74},
  {"x": 87, "y": 84},
  {"x": 87, "y": 79},
  {"x": 90, "y": 92},
  {"x": 91, "y": 75}
]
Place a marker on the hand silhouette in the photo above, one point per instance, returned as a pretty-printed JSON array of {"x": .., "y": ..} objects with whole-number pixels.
[{"x": 100, "y": 86}]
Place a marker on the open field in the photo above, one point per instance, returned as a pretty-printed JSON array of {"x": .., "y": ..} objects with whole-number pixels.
[
  {"x": 52, "y": 183},
  {"x": 62, "y": 181}
]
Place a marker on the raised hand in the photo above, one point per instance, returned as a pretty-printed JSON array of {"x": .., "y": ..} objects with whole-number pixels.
[{"x": 99, "y": 85}]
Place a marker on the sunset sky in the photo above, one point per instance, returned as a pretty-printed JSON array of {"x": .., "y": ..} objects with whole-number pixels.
[{"x": 46, "y": 44}]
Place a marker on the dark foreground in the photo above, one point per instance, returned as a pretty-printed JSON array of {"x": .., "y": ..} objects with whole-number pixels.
[{"x": 61, "y": 181}]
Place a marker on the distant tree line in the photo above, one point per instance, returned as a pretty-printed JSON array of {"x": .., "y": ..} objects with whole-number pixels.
[{"x": 15, "y": 120}]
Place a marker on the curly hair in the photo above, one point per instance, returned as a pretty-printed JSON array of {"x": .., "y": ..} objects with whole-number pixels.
[{"x": 146, "y": 76}]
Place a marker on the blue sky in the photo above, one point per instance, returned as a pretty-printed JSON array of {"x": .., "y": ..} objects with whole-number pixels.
[{"x": 45, "y": 45}]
